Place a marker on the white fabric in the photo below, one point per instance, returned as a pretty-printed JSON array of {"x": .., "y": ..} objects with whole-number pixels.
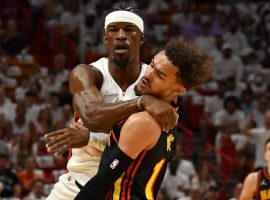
[
  {"x": 222, "y": 117},
  {"x": 260, "y": 135},
  {"x": 172, "y": 183},
  {"x": 64, "y": 189},
  {"x": 124, "y": 16},
  {"x": 82, "y": 166}
]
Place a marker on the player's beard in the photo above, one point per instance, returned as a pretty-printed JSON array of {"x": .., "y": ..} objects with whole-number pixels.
[
  {"x": 121, "y": 62},
  {"x": 137, "y": 91}
]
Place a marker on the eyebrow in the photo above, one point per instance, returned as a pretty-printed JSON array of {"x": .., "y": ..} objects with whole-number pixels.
[{"x": 162, "y": 73}]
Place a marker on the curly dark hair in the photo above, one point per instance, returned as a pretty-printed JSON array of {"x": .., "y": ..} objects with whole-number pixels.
[{"x": 195, "y": 66}]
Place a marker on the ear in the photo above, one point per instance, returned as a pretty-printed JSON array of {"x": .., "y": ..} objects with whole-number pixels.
[
  {"x": 105, "y": 37},
  {"x": 179, "y": 90},
  {"x": 142, "y": 38}
]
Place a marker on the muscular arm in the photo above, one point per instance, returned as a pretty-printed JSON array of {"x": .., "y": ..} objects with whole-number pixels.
[
  {"x": 250, "y": 185},
  {"x": 85, "y": 83},
  {"x": 98, "y": 116},
  {"x": 140, "y": 132}
]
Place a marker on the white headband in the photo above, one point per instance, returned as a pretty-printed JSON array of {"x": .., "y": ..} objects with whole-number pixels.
[{"x": 124, "y": 16}]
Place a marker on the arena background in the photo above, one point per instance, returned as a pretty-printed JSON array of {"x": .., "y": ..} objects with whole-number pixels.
[{"x": 41, "y": 40}]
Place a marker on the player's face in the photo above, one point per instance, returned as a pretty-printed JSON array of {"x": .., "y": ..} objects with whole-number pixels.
[
  {"x": 160, "y": 79},
  {"x": 267, "y": 153},
  {"x": 123, "y": 40}
]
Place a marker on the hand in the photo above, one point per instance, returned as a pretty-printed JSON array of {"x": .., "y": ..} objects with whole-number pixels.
[
  {"x": 161, "y": 110},
  {"x": 62, "y": 140}
]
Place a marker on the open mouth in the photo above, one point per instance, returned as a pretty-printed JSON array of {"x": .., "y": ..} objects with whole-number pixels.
[
  {"x": 121, "y": 47},
  {"x": 144, "y": 82}
]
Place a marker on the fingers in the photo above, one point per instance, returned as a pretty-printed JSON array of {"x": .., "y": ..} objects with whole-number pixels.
[
  {"x": 59, "y": 147},
  {"x": 164, "y": 120},
  {"x": 79, "y": 126},
  {"x": 55, "y": 133},
  {"x": 52, "y": 141},
  {"x": 62, "y": 150},
  {"x": 72, "y": 126}
]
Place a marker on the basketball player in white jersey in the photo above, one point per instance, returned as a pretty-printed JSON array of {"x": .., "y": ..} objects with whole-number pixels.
[{"x": 96, "y": 88}]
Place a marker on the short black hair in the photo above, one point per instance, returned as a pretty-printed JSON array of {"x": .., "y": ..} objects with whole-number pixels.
[
  {"x": 124, "y": 6},
  {"x": 195, "y": 66},
  {"x": 231, "y": 99}
]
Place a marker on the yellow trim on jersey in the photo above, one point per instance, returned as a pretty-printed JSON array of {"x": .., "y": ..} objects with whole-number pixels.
[
  {"x": 170, "y": 139},
  {"x": 152, "y": 180},
  {"x": 117, "y": 188}
]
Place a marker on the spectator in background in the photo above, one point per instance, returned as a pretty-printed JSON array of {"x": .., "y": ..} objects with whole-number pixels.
[
  {"x": 13, "y": 41},
  {"x": 9, "y": 184},
  {"x": 32, "y": 108},
  {"x": 61, "y": 73},
  {"x": 216, "y": 52},
  {"x": 203, "y": 179},
  {"x": 194, "y": 194},
  {"x": 205, "y": 41},
  {"x": 192, "y": 28},
  {"x": 228, "y": 65},
  {"x": 247, "y": 102},
  {"x": 175, "y": 184},
  {"x": 214, "y": 192},
  {"x": 252, "y": 65},
  {"x": 212, "y": 105},
  {"x": 258, "y": 83},
  {"x": 234, "y": 37},
  {"x": 256, "y": 117},
  {"x": 37, "y": 192},
  {"x": 28, "y": 175},
  {"x": 237, "y": 191},
  {"x": 229, "y": 120},
  {"x": 7, "y": 108},
  {"x": 21, "y": 89},
  {"x": 49, "y": 85},
  {"x": 43, "y": 124},
  {"x": 179, "y": 174},
  {"x": 19, "y": 125},
  {"x": 259, "y": 135},
  {"x": 56, "y": 110},
  {"x": 233, "y": 88}
]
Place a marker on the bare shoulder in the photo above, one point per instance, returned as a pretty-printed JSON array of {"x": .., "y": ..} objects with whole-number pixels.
[
  {"x": 250, "y": 186},
  {"x": 252, "y": 178},
  {"x": 142, "y": 129},
  {"x": 144, "y": 120},
  {"x": 250, "y": 183}
]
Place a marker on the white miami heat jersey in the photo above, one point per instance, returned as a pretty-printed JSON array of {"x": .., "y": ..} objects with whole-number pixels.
[{"x": 82, "y": 165}]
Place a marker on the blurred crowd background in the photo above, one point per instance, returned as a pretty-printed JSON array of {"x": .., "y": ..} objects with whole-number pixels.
[{"x": 223, "y": 124}]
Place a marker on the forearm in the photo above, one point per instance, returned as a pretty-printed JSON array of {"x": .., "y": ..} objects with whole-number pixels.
[
  {"x": 110, "y": 171},
  {"x": 100, "y": 116}
]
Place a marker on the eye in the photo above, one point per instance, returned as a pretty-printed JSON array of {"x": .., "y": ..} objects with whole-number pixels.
[
  {"x": 129, "y": 29},
  {"x": 112, "y": 29}
]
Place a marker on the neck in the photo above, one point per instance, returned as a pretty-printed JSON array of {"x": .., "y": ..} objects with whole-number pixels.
[
  {"x": 169, "y": 99},
  {"x": 124, "y": 76}
]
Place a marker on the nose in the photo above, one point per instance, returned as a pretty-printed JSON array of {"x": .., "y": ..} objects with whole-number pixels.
[{"x": 121, "y": 35}]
